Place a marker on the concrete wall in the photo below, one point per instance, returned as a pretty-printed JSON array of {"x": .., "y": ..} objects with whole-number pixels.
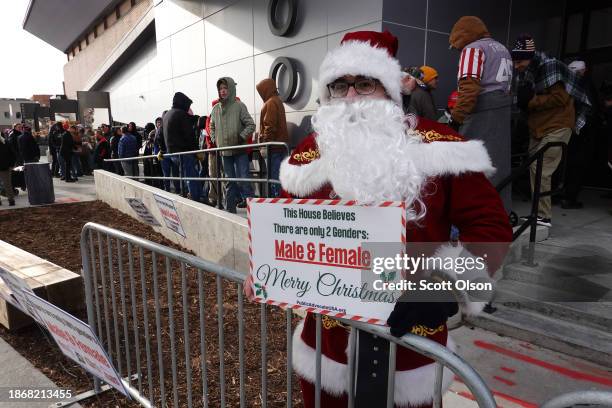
[
  {"x": 198, "y": 42},
  {"x": 211, "y": 234}
]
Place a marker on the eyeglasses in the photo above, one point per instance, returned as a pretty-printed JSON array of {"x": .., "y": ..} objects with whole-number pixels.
[{"x": 363, "y": 86}]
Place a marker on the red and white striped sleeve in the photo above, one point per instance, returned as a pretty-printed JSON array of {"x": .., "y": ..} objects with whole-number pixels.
[{"x": 471, "y": 63}]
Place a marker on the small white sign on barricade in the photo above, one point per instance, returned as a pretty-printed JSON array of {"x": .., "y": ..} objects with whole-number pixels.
[
  {"x": 308, "y": 254},
  {"x": 169, "y": 214},
  {"x": 18, "y": 287},
  {"x": 142, "y": 211},
  {"x": 78, "y": 342}
]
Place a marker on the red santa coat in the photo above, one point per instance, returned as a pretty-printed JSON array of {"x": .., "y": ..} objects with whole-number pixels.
[{"x": 458, "y": 193}]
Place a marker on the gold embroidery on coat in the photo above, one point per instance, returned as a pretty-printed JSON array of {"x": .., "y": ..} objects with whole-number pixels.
[
  {"x": 425, "y": 331},
  {"x": 433, "y": 136},
  {"x": 306, "y": 156}
]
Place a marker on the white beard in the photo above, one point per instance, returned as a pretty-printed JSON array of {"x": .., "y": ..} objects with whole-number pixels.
[{"x": 368, "y": 149}]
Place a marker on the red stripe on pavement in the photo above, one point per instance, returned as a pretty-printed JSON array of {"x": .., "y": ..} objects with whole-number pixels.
[
  {"x": 524, "y": 404},
  {"x": 577, "y": 375},
  {"x": 505, "y": 381},
  {"x": 467, "y": 395},
  {"x": 508, "y": 370}
]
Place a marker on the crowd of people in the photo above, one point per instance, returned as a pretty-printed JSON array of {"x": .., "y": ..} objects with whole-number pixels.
[{"x": 556, "y": 101}]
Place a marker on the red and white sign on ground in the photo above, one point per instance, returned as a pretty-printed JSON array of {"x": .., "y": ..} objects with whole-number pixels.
[
  {"x": 77, "y": 341},
  {"x": 308, "y": 254}
]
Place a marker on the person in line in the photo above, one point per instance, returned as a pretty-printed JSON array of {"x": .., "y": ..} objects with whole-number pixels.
[
  {"x": 179, "y": 136},
  {"x": 102, "y": 152},
  {"x": 77, "y": 152},
  {"x": 272, "y": 128},
  {"x": 13, "y": 140},
  {"x": 147, "y": 150},
  {"x": 7, "y": 161},
  {"x": 67, "y": 152},
  {"x": 422, "y": 100},
  {"x": 483, "y": 107},
  {"x": 450, "y": 105},
  {"x": 555, "y": 103},
  {"x": 214, "y": 196},
  {"x": 581, "y": 147},
  {"x": 55, "y": 142},
  {"x": 230, "y": 125},
  {"x": 28, "y": 146},
  {"x": 169, "y": 169},
  {"x": 114, "y": 144},
  {"x": 128, "y": 147}
]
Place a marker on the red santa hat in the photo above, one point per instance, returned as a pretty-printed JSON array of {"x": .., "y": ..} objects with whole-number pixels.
[{"x": 366, "y": 53}]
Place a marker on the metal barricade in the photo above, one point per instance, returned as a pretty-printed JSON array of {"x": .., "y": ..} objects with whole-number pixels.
[
  {"x": 153, "y": 308},
  {"x": 581, "y": 398}
]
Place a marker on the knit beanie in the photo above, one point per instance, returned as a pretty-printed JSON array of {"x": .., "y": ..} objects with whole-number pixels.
[
  {"x": 429, "y": 73},
  {"x": 524, "y": 48}
]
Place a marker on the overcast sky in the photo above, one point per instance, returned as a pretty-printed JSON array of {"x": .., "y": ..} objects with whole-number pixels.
[{"x": 29, "y": 65}]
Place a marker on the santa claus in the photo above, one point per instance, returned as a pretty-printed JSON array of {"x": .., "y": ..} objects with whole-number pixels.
[{"x": 363, "y": 148}]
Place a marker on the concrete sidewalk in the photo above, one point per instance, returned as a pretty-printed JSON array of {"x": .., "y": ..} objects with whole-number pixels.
[
  {"x": 83, "y": 190},
  {"x": 18, "y": 373}
]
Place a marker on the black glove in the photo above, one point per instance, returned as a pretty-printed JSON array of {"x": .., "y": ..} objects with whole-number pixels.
[
  {"x": 405, "y": 315},
  {"x": 524, "y": 94},
  {"x": 454, "y": 124}
]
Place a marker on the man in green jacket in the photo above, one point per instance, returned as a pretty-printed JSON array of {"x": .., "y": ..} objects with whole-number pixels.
[{"x": 230, "y": 125}]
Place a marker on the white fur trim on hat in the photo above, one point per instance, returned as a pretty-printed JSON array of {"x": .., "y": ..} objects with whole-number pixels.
[
  {"x": 360, "y": 58},
  {"x": 412, "y": 387}
]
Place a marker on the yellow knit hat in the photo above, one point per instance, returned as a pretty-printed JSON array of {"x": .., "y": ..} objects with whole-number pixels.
[{"x": 429, "y": 73}]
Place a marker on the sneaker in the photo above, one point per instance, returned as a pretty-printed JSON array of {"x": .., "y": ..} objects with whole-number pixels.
[{"x": 546, "y": 222}]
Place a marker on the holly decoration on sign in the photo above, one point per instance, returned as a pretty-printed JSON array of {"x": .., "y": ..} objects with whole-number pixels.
[
  {"x": 260, "y": 290},
  {"x": 388, "y": 277}
]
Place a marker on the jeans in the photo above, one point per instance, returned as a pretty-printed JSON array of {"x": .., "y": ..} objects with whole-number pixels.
[
  {"x": 170, "y": 169},
  {"x": 130, "y": 168},
  {"x": 66, "y": 163},
  {"x": 276, "y": 159},
  {"x": 236, "y": 166},
  {"x": 77, "y": 170},
  {"x": 188, "y": 169}
]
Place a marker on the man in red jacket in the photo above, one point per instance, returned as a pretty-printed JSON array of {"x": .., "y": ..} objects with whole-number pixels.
[{"x": 363, "y": 148}]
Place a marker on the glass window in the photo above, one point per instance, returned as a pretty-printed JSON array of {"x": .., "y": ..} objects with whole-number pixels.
[
  {"x": 600, "y": 29},
  {"x": 573, "y": 33},
  {"x": 18, "y": 115},
  {"x": 7, "y": 115}
]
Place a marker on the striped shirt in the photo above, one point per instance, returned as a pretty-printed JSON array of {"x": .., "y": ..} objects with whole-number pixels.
[{"x": 489, "y": 62}]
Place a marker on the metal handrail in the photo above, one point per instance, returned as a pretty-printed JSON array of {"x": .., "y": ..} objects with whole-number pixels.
[
  {"x": 268, "y": 181},
  {"x": 602, "y": 398},
  {"x": 531, "y": 221},
  {"x": 213, "y": 149}
]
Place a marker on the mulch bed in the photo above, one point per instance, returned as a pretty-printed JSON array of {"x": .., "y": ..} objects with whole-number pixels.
[{"x": 53, "y": 233}]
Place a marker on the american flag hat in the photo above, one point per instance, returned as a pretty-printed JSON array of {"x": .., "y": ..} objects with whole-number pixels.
[{"x": 524, "y": 48}]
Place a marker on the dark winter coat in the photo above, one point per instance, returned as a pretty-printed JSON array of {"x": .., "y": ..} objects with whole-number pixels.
[
  {"x": 114, "y": 144},
  {"x": 13, "y": 141},
  {"x": 7, "y": 157},
  {"x": 28, "y": 147},
  {"x": 67, "y": 145},
  {"x": 178, "y": 126},
  {"x": 422, "y": 103},
  {"x": 101, "y": 152}
]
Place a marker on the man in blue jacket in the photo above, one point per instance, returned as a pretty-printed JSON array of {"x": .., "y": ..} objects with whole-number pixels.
[{"x": 128, "y": 147}]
